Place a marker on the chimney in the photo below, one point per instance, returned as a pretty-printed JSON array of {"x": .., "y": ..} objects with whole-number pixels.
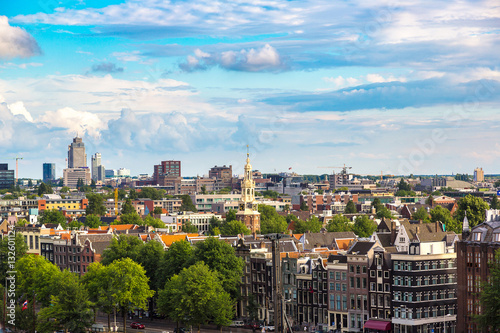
[
  {"x": 393, "y": 232},
  {"x": 262, "y": 245},
  {"x": 418, "y": 229},
  {"x": 437, "y": 226}
]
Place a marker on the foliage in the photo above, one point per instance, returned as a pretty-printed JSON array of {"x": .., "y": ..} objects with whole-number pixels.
[
  {"x": 253, "y": 307},
  {"x": 178, "y": 256},
  {"x": 489, "y": 319},
  {"x": 52, "y": 216},
  {"x": 377, "y": 204},
  {"x": 339, "y": 223},
  {"x": 125, "y": 246},
  {"x": 383, "y": 212},
  {"x": 155, "y": 223},
  {"x": 363, "y": 226},
  {"x": 342, "y": 189},
  {"x": 157, "y": 211},
  {"x": 36, "y": 275},
  {"x": 497, "y": 183},
  {"x": 215, "y": 224},
  {"x": 233, "y": 228},
  {"x": 303, "y": 206},
  {"x": 64, "y": 189},
  {"x": 403, "y": 185},
  {"x": 421, "y": 214},
  {"x": 196, "y": 296},
  {"x": 203, "y": 189},
  {"x": 21, "y": 223},
  {"x": 130, "y": 218},
  {"x": 220, "y": 256},
  {"x": 127, "y": 207},
  {"x": 74, "y": 225},
  {"x": 132, "y": 194},
  {"x": 350, "y": 208},
  {"x": 311, "y": 225},
  {"x": 437, "y": 193},
  {"x": 231, "y": 215},
  {"x": 271, "y": 221},
  {"x": 44, "y": 189},
  {"x": 495, "y": 204},
  {"x": 270, "y": 194},
  {"x": 19, "y": 248},
  {"x": 403, "y": 193},
  {"x": 187, "y": 204},
  {"x": 97, "y": 282},
  {"x": 92, "y": 221},
  {"x": 189, "y": 227},
  {"x": 148, "y": 256},
  {"x": 441, "y": 214},
  {"x": 475, "y": 208},
  {"x": 70, "y": 308},
  {"x": 96, "y": 204},
  {"x": 429, "y": 200},
  {"x": 151, "y": 193}
]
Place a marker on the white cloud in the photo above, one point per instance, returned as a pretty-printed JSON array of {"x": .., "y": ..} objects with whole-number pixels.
[
  {"x": 18, "y": 108},
  {"x": 16, "y": 42},
  {"x": 73, "y": 121}
]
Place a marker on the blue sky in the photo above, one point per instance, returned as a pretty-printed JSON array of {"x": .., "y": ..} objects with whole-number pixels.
[{"x": 395, "y": 86}]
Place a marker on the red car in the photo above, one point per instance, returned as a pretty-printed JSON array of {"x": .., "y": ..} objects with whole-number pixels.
[{"x": 137, "y": 325}]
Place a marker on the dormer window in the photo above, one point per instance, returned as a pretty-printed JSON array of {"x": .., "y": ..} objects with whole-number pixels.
[
  {"x": 496, "y": 237},
  {"x": 477, "y": 236}
]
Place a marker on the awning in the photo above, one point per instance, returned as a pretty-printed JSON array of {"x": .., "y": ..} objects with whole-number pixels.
[{"x": 378, "y": 325}]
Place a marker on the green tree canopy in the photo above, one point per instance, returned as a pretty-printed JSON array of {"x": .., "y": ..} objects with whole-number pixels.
[
  {"x": 96, "y": 204},
  {"x": 124, "y": 246},
  {"x": 403, "y": 185},
  {"x": 157, "y": 211},
  {"x": 130, "y": 218},
  {"x": 178, "y": 256},
  {"x": 196, "y": 296},
  {"x": 495, "y": 204},
  {"x": 70, "y": 308},
  {"x": 220, "y": 256},
  {"x": 363, "y": 226},
  {"x": 151, "y": 193},
  {"x": 92, "y": 221},
  {"x": 311, "y": 225},
  {"x": 271, "y": 221},
  {"x": 155, "y": 223},
  {"x": 421, "y": 214},
  {"x": 475, "y": 208},
  {"x": 303, "y": 206},
  {"x": 148, "y": 256},
  {"x": 339, "y": 223},
  {"x": 497, "y": 183},
  {"x": 350, "y": 208},
  {"x": 489, "y": 319},
  {"x": 230, "y": 215},
  {"x": 187, "y": 204},
  {"x": 74, "y": 225},
  {"x": 127, "y": 207},
  {"x": 234, "y": 228},
  {"x": 215, "y": 224},
  {"x": 44, "y": 189},
  {"x": 52, "y": 216},
  {"x": 377, "y": 204},
  {"x": 383, "y": 212},
  {"x": 64, "y": 189},
  {"x": 189, "y": 227},
  {"x": 19, "y": 249}
]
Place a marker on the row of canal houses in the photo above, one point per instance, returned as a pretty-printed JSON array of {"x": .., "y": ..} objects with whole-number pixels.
[{"x": 402, "y": 279}]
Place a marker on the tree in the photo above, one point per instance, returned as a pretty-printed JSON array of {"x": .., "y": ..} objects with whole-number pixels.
[
  {"x": 52, "y": 216},
  {"x": 74, "y": 225},
  {"x": 125, "y": 246},
  {"x": 495, "y": 204},
  {"x": 234, "y": 228},
  {"x": 17, "y": 248},
  {"x": 151, "y": 193},
  {"x": 377, "y": 204},
  {"x": 129, "y": 284},
  {"x": 215, "y": 225},
  {"x": 220, "y": 256},
  {"x": 157, "y": 211},
  {"x": 311, "y": 225},
  {"x": 189, "y": 227},
  {"x": 127, "y": 207},
  {"x": 132, "y": 194},
  {"x": 79, "y": 184},
  {"x": 403, "y": 185},
  {"x": 96, "y": 204},
  {"x": 36, "y": 275},
  {"x": 203, "y": 189},
  {"x": 441, "y": 214},
  {"x": 92, "y": 221},
  {"x": 383, "y": 212},
  {"x": 187, "y": 204},
  {"x": 70, "y": 308},
  {"x": 421, "y": 214},
  {"x": 155, "y": 223},
  {"x": 350, "y": 208},
  {"x": 130, "y": 218},
  {"x": 271, "y": 221},
  {"x": 303, "y": 206},
  {"x": 489, "y": 319},
  {"x": 231, "y": 215},
  {"x": 30, "y": 183},
  {"x": 178, "y": 256},
  {"x": 363, "y": 226},
  {"x": 196, "y": 296},
  {"x": 64, "y": 189},
  {"x": 475, "y": 208},
  {"x": 497, "y": 183},
  {"x": 44, "y": 189},
  {"x": 429, "y": 201},
  {"x": 148, "y": 257},
  {"x": 97, "y": 282}
]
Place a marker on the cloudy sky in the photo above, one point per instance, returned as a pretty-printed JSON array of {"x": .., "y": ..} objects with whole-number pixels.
[{"x": 395, "y": 86}]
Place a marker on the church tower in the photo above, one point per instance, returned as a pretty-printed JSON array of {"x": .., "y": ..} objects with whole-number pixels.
[{"x": 248, "y": 212}]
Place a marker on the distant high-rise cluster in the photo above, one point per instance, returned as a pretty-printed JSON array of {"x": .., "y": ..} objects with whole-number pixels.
[
  {"x": 478, "y": 175},
  {"x": 98, "y": 170},
  {"x": 77, "y": 165},
  {"x": 49, "y": 172}
]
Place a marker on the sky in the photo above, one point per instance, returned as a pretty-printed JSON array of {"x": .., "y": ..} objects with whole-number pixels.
[{"x": 399, "y": 87}]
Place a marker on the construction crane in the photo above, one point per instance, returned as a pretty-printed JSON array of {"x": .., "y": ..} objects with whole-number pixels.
[
  {"x": 17, "y": 158},
  {"x": 116, "y": 201}
]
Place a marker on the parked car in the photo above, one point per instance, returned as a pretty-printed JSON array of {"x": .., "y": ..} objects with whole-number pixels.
[
  {"x": 137, "y": 325},
  {"x": 252, "y": 326},
  {"x": 269, "y": 328},
  {"x": 237, "y": 323}
]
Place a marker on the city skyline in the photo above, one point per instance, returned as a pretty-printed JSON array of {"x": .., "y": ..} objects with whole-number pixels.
[{"x": 402, "y": 88}]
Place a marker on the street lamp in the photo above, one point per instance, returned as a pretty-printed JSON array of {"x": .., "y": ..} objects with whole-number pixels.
[{"x": 444, "y": 322}]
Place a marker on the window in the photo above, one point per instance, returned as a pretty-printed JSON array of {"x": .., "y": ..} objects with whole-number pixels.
[
  {"x": 344, "y": 302},
  {"x": 332, "y": 302},
  {"x": 332, "y": 275},
  {"x": 344, "y": 276},
  {"x": 351, "y": 268},
  {"x": 364, "y": 269},
  {"x": 337, "y": 286},
  {"x": 358, "y": 282},
  {"x": 372, "y": 286},
  {"x": 379, "y": 274},
  {"x": 351, "y": 282},
  {"x": 332, "y": 286},
  {"x": 358, "y": 269},
  {"x": 337, "y": 275},
  {"x": 344, "y": 287},
  {"x": 477, "y": 236},
  {"x": 386, "y": 274},
  {"x": 372, "y": 273}
]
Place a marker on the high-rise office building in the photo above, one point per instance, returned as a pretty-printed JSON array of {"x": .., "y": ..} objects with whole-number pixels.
[
  {"x": 478, "y": 175},
  {"x": 76, "y": 154},
  {"x": 167, "y": 169},
  {"x": 6, "y": 177},
  {"x": 98, "y": 170},
  {"x": 49, "y": 172}
]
